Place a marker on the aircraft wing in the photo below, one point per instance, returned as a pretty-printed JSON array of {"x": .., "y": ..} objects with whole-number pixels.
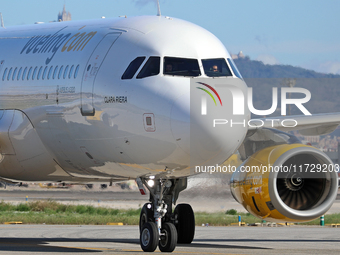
[{"x": 309, "y": 125}]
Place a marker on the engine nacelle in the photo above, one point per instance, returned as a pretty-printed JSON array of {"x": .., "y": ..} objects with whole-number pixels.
[{"x": 286, "y": 183}]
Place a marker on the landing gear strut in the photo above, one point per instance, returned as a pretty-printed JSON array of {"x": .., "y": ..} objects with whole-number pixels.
[{"x": 160, "y": 226}]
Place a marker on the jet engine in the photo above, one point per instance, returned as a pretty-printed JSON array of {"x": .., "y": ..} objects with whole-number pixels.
[{"x": 286, "y": 183}]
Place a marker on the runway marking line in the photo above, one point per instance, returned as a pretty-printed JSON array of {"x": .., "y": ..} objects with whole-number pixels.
[
  {"x": 12, "y": 222},
  {"x": 115, "y": 223}
]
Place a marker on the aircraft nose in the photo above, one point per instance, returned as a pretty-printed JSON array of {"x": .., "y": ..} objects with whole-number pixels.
[
  {"x": 180, "y": 122},
  {"x": 206, "y": 143}
]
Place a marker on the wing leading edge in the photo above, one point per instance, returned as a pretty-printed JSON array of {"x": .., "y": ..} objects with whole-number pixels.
[{"x": 309, "y": 125}]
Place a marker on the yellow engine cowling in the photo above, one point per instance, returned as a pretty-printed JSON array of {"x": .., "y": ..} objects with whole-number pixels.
[{"x": 286, "y": 183}]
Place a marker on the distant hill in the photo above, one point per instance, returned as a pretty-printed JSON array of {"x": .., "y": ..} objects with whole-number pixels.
[
  {"x": 324, "y": 88},
  {"x": 256, "y": 69}
]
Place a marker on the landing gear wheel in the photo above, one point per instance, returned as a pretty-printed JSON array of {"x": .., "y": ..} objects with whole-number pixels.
[
  {"x": 185, "y": 223},
  {"x": 146, "y": 215},
  {"x": 168, "y": 240},
  {"x": 149, "y": 237}
]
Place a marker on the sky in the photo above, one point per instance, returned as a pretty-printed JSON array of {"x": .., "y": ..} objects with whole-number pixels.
[{"x": 301, "y": 33}]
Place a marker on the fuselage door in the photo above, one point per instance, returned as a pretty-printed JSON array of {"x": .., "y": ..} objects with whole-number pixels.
[{"x": 92, "y": 67}]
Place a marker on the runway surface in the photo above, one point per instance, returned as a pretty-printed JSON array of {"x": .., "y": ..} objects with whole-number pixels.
[{"x": 56, "y": 239}]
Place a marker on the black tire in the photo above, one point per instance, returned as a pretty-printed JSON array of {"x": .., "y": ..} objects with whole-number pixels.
[
  {"x": 168, "y": 241},
  {"x": 185, "y": 223},
  {"x": 149, "y": 237},
  {"x": 146, "y": 215}
]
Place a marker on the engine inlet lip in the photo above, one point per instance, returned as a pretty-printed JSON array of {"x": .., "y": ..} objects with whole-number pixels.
[{"x": 325, "y": 201}]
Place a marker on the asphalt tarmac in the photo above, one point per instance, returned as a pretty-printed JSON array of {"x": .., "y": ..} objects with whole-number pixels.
[
  {"x": 56, "y": 239},
  {"x": 66, "y": 239}
]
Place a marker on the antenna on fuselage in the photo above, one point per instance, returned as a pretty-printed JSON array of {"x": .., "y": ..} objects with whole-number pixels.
[
  {"x": 159, "y": 8},
  {"x": 2, "y": 21}
]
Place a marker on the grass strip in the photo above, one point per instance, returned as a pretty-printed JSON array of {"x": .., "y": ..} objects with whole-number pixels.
[{"x": 52, "y": 212}]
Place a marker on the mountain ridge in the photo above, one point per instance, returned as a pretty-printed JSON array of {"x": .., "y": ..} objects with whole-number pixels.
[
  {"x": 257, "y": 69},
  {"x": 324, "y": 88}
]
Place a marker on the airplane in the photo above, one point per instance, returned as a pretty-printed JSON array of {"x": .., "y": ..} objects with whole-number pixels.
[{"x": 116, "y": 99}]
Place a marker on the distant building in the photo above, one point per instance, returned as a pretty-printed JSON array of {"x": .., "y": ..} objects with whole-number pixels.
[
  {"x": 64, "y": 15},
  {"x": 239, "y": 55},
  {"x": 233, "y": 56}
]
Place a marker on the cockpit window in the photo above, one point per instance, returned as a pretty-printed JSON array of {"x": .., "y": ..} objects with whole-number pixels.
[
  {"x": 216, "y": 67},
  {"x": 181, "y": 67},
  {"x": 132, "y": 68},
  {"x": 150, "y": 68},
  {"x": 235, "y": 70}
]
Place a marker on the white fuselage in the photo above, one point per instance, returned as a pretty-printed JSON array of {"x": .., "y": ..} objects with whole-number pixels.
[{"x": 66, "y": 114}]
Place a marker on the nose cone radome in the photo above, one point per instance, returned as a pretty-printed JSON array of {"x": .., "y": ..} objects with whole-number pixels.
[{"x": 206, "y": 129}]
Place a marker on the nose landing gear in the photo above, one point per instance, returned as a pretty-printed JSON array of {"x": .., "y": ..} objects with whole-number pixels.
[
  {"x": 149, "y": 237},
  {"x": 158, "y": 225},
  {"x": 168, "y": 239}
]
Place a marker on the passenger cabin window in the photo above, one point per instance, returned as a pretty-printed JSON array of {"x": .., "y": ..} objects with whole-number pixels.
[
  {"x": 39, "y": 72},
  {"x": 19, "y": 73},
  {"x": 24, "y": 73},
  {"x": 216, "y": 67},
  {"x": 181, "y": 67},
  {"x": 55, "y": 72},
  {"x": 66, "y": 72},
  {"x": 50, "y": 72},
  {"x": 151, "y": 68},
  {"x": 132, "y": 68},
  {"x": 9, "y": 74},
  {"x": 60, "y": 72},
  {"x": 4, "y": 76},
  {"x": 76, "y": 72},
  {"x": 34, "y": 72},
  {"x": 45, "y": 72},
  {"x": 71, "y": 71},
  {"x": 29, "y": 73},
  {"x": 14, "y": 73}
]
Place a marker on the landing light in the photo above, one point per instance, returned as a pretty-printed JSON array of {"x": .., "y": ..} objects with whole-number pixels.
[{"x": 151, "y": 183}]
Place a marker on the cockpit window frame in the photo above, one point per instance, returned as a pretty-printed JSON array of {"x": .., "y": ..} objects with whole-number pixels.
[
  {"x": 218, "y": 62},
  {"x": 176, "y": 68},
  {"x": 234, "y": 68},
  {"x": 145, "y": 71},
  {"x": 133, "y": 67}
]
